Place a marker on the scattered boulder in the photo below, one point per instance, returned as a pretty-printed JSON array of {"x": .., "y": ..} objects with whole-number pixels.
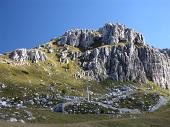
[
  {"x": 50, "y": 50},
  {"x": 2, "y": 86}
]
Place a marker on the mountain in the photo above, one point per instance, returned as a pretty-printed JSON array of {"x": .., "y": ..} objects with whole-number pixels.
[
  {"x": 108, "y": 73},
  {"x": 114, "y": 51}
]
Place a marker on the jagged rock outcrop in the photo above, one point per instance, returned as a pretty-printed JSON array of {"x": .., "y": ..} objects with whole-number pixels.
[
  {"x": 115, "y": 33},
  {"x": 34, "y": 55},
  {"x": 119, "y": 62},
  {"x": 77, "y": 37},
  {"x": 127, "y": 62},
  {"x": 109, "y": 34},
  {"x": 66, "y": 55}
]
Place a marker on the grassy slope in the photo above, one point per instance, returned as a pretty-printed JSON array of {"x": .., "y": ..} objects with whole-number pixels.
[
  {"x": 41, "y": 73},
  {"x": 37, "y": 73}
]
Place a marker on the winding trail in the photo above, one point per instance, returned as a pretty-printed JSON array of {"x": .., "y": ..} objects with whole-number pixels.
[{"x": 162, "y": 101}]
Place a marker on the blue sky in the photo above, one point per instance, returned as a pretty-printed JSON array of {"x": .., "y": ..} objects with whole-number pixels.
[{"x": 28, "y": 23}]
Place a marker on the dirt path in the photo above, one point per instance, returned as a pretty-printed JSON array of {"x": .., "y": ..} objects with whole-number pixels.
[{"x": 162, "y": 101}]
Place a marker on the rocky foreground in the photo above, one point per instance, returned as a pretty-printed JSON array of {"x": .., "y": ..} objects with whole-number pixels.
[{"x": 118, "y": 101}]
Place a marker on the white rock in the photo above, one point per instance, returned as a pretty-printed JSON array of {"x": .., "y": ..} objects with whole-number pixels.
[
  {"x": 34, "y": 55},
  {"x": 13, "y": 120}
]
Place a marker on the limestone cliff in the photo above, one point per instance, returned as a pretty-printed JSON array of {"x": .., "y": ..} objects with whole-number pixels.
[{"x": 119, "y": 53}]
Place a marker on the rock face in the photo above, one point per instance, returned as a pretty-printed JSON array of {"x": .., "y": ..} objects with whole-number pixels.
[
  {"x": 109, "y": 34},
  {"x": 122, "y": 55},
  {"x": 127, "y": 63},
  {"x": 156, "y": 65},
  {"x": 115, "y": 33},
  {"x": 77, "y": 37},
  {"x": 34, "y": 55}
]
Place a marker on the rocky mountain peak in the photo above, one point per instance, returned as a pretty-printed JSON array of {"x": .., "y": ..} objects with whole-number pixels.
[
  {"x": 107, "y": 35},
  {"x": 115, "y": 33}
]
